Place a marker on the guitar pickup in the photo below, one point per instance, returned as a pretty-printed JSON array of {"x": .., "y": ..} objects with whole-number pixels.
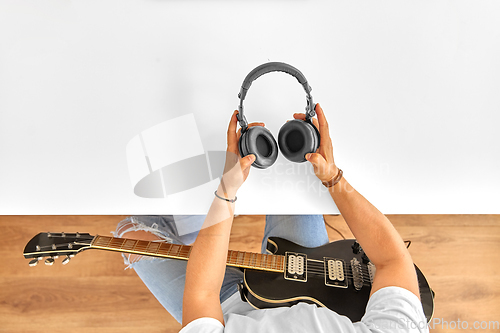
[
  {"x": 335, "y": 273},
  {"x": 295, "y": 266}
]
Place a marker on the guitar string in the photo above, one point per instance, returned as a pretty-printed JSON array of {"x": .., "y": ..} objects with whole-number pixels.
[
  {"x": 347, "y": 268},
  {"x": 311, "y": 267},
  {"x": 363, "y": 267}
]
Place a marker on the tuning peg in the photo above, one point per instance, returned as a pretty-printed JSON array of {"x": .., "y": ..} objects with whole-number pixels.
[
  {"x": 49, "y": 261},
  {"x": 66, "y": 260},
  {"x": 33, "y": 262}
]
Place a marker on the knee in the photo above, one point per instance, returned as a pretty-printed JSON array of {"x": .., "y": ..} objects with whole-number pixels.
[{"x": 133, "y": 228}]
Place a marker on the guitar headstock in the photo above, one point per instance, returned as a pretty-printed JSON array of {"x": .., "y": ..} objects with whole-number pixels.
[{"x": 53, "y": 245}]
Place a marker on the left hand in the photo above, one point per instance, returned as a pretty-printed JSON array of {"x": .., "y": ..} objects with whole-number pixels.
[{"x": 236, "y": 168}]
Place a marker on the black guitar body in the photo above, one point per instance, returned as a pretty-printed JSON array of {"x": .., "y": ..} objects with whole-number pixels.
[{"x": 268, "y": 289}]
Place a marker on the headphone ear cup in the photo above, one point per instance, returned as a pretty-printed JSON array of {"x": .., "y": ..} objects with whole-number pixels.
[
  {"x": 259, "y": 141},
  {"x": 298, "y": 138}
]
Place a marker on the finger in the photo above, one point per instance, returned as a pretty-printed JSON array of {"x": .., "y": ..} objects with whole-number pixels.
[
  {"x": 231, "y": 130},
  {"x": 251, "y": 125},
  {"x": 324, "y": 130},
  {"x": 232, "y": 123},
  {"x": 302, "y": 116},
  {"x": 323, "y": 123}
]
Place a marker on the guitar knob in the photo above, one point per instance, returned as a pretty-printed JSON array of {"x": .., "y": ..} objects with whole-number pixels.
[
  {"x": 33, "y": 262},
  {"x": 49, "y": 261},
  {"x": 356, "y": 248},
  {"x": 66, "y": 260}
]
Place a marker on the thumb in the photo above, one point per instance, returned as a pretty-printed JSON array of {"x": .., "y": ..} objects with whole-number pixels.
[
  {"x": 316, "y": 160},
  {"x": 247, "y": 161}
]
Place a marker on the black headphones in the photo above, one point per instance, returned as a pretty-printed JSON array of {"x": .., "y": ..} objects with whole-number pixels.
[{"x": 296, "y": 137}]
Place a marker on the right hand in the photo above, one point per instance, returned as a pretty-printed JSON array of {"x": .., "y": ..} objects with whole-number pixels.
[
  {"x": 321, "y": 160},
  {"x": 236, "y": 168}
]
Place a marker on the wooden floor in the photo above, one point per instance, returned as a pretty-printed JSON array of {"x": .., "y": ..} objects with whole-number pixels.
[{"x": 459, "y": 254}]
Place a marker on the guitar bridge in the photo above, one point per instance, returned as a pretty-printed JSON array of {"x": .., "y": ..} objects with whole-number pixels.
[
  {"x": 335, "y": 272},
  {"x": 357, "y": 273},
  {"x": 295, "y": 266}
]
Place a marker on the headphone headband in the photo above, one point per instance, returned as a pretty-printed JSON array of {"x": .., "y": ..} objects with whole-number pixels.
[{"x": 274, "y": 67}]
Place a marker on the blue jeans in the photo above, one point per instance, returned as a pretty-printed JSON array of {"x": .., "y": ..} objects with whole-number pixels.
[{"x": 165, "y": 277}]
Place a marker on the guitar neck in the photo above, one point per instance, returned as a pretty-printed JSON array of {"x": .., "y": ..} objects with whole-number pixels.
[{"x": 258, "y": 261}]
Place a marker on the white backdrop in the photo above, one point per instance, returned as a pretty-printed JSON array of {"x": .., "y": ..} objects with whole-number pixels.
[{"x": 410, "y": 89}]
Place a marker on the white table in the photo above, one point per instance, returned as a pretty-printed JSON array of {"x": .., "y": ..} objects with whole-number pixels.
[{"x": 410, "y": 91}]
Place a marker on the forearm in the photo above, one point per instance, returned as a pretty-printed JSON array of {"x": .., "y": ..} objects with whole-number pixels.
[
  {"x": 207, "y": 262},
  {"x": 375, "y": 233}
]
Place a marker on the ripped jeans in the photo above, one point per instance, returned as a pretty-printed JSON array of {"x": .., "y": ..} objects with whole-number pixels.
[{"x": 165, "y": 277}]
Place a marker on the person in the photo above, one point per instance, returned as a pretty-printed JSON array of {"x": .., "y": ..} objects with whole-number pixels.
[{"x": 202, "y": 292}]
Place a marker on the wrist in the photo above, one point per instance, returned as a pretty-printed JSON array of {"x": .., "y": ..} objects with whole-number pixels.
[
  {"x": 334, "y": 180},
  {"x": 226, "y": 191},
  {"x": 332, "y": 175}
]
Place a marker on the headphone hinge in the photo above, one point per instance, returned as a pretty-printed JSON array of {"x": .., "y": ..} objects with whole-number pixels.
[
  {"x": 310, "y": 112},
  {"x": 242, "y": 119}
]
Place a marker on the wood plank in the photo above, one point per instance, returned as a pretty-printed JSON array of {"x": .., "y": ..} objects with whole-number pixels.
[{"x": 459, "y": 255}]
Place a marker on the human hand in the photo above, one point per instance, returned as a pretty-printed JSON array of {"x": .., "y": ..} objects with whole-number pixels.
[
  {"x": 321, "y": 160},
  {"x": 236, "y": 168}
]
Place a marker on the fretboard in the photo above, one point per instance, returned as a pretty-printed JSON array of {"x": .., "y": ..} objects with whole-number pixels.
[{"x": 259, "y": 261}]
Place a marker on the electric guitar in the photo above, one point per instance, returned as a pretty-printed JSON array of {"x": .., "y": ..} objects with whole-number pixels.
[{"x": 337, "y": 275}]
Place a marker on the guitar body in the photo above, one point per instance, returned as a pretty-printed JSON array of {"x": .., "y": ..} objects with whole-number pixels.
[{"x": 268, "y": 289}]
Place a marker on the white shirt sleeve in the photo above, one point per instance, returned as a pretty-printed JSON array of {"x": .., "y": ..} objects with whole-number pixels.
[
  {"x": 394, "y": 309},
  {"x": 203, "y": 325}
]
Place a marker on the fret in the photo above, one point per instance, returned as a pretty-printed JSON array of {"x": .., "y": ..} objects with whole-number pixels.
[
  {"x": 153, "y": 247},
  {"x": 234, "y": 257},
  {"x": 181, "y": 249},
  {"x": 229, "y": 255},
  {"x": 264, "y": 261},
  {"x": 128, "y": 244},
  {"x": 246, "y": 260},
  {"x": 239, "y": 261},
  {"x": 102, "y": 241},
  {"x": 174, "y": 250},
  {"x": 273, "y": 262},
  {"x": 184, "y": 251},
  {"x": 163, "y": 249},
  {"x": 259, "y": 260},
  {"x": 115, "y": 243},
  {"x": 137, "y": 246},
  {"x": 253, "y": 259}
]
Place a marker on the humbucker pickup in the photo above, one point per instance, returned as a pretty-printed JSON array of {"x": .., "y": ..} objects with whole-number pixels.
[
  {"x": 295, "y": 266},
  {"x": 335, "y": 272}
]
